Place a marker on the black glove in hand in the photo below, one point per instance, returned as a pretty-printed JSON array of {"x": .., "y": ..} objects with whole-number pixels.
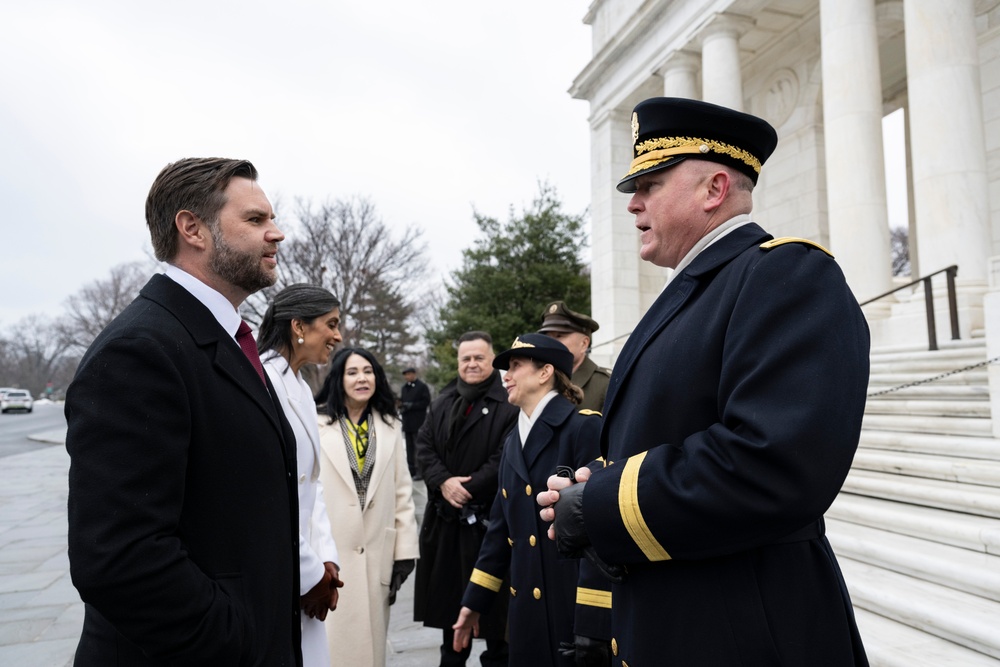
[
  {"x": 587, "y": 651},
  {"x": 400, "y": 571},
  {"x": 571, "y": 534}
]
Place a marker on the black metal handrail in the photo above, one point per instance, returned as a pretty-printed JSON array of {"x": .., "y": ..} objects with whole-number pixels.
[{"x": 951, "y": 272}]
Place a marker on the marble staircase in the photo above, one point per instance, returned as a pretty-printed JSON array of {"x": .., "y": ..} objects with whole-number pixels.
[{"x": 917, "y": 525}]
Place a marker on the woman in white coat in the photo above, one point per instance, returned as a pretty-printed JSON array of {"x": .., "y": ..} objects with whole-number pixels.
[
  {"x": 302, "y": 326},
  {"x": 369, "y": 495}
]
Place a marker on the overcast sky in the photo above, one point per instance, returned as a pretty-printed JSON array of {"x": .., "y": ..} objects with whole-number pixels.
[{"x": 427, "y": 108}]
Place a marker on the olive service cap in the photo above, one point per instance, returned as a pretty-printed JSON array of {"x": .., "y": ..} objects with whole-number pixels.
[
  {"x": 557, "y": 317},
  {"x": 666, "y": 130},
  {"x": 540, "y": 347}
]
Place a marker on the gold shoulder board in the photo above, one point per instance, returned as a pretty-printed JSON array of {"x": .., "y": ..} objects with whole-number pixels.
[
  {"x": 587, "y": 413},
  {"x": 774, "y": 243}
]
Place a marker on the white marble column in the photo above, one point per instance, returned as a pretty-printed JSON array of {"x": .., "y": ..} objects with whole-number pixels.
[
  {"x": 721, "y": 72},
  {"x": 614, "y": 282},
  {"x": 679, "y": 71},
  {"x": 852, "y": 122},
  {"x": 951, "y": 194}
]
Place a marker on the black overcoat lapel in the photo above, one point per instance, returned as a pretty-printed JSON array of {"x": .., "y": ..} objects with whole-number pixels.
[{"x": 209, "y": 335}]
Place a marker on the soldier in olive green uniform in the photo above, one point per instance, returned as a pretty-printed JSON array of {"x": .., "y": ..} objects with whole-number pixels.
[{"x": 574, "y": 330}]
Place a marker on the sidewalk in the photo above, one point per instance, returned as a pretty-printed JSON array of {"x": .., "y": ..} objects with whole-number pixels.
[{"x": 41, "y": 613}]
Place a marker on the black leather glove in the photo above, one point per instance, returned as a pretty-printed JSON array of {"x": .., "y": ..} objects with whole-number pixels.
[
  {"x": 571, "y": 534},
  {"x": 587, "y": 651},
  {"x": 400, "y": 571}
]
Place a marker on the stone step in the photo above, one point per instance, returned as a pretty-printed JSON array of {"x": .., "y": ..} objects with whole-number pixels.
[
  {"x": 967, "y": 620},
  {"x": 929, "y": 466},
  {"x": 964, "y": 426},
  {"x": 968, "y": 498},
  {"x": 932, "y": 391},
  {"x": 945, "y": 565},
  {"x": 892, "y": 644},
  {"x": 883, "y": 405},
  {"x": 949, "y": 349},
  {"x": 929, "y": 443},
  {"x": 929, "y": 362},
  {"x": 978, "y": 376},
  {"x": 974, "y": 533}
]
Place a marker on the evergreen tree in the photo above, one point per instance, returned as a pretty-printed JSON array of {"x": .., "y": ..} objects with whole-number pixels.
[{"x": 508, "y": 277}]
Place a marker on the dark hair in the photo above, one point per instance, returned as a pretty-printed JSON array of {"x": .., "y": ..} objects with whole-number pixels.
[
  {"x": 300, "y": 301},
  {"x": 192, "y": 184},
  {"x": 331, "y": 394},
  {"x": 561, "y": 382},
  {"x": 474, "y": 335}
]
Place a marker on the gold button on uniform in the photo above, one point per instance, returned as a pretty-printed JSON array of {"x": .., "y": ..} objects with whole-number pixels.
[
  {"x": 504, "y": 492},
  {"x": 614, "y": 646},
  {"x": 527, "y": 489},
  {"x": 510, "y": 541},
  {"x": 513, "y": 593},
  {"x": 531, "y": 540},
  {"x": 537, "y": 593}
]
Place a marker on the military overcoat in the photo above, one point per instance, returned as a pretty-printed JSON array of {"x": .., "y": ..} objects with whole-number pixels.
[
  {"x": 732, "y": 417},
  {"x": 549, "y": 600},
  {"x": 593, "y": 380},
  {"x": 449, "y": 543}
]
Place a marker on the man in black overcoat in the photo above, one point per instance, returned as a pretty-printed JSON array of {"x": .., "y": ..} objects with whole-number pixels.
[
  {"x": 183, "y": 533},
  {"x": 732, "y": 417},
  {"x": 458, "y": 453},
  {"x": 414, "y": 399}
]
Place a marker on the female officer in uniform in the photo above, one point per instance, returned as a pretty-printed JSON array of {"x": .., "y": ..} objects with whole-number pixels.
[{"x": 556, "y": 616}]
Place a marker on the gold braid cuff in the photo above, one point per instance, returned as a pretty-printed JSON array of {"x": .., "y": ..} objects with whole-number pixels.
[
  {"x": 655, "y": 151},
  {"x": 485, "y": 580},
  {"x": 628, "y": 504},
  {"x": 593, "y": 597}
]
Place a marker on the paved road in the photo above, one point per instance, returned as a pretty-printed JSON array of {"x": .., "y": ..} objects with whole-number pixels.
[
  {"x": 15, "y": 427},
  {"x": 40, "y": 611}
]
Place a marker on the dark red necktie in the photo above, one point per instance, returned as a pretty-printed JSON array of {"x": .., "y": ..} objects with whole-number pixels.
[{"x": 249, "y": 346}]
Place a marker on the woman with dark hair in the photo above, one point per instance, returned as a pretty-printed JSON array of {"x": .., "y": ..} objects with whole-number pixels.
[
  {"x": 559, "y": 612},
  {"x": 302, "y": 326},
  {"x": 368, "y": 489}
]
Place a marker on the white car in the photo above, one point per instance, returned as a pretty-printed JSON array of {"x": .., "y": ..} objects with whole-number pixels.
[{"x": 16, "y": 399}]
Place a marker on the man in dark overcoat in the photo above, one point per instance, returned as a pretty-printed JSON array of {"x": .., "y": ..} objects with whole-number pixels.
[
  {"x": 575, "y": 331},
  {"x": 458, "y": 453},
  {"x": 731, "y": 421},
  {"x": 414, "y": 399},
  {"x": 183, "y": 532}
]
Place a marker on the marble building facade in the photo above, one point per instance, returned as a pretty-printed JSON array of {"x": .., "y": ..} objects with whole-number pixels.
[{"x": 824, "y": 73}]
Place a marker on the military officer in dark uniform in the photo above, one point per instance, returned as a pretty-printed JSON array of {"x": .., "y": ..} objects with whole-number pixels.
[
  {"x": 732, "y": 417},
  {"x": 575, "y": 331},
  {"x": 559, "y": 609}
]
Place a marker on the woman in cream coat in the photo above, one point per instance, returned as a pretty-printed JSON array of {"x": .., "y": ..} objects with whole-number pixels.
[
  {"x": 302, "y": 326},
  {"x": 369, "y": 496}
]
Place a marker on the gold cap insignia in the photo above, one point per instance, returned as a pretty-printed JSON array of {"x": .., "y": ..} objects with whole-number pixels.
[
  {"x": 518, "y": 343},
  {"x": 553, "y": 308},
  {"x": 635, "y": 127}
]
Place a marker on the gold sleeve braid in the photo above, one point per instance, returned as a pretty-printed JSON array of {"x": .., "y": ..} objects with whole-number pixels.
[
  {"x": 593, "y": 597},
  {"x": 486, "y": 580},
  {"x": 628, "y": 505}
]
